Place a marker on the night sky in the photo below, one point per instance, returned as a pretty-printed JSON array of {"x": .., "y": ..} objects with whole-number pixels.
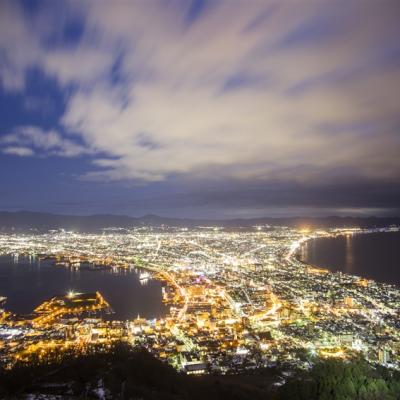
[{"x": 200, "y": 108}]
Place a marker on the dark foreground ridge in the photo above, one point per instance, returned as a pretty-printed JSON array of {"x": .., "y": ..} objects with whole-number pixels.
[
  {"x": 26, "y": 220},
  {"x": 126, "y": 373}
]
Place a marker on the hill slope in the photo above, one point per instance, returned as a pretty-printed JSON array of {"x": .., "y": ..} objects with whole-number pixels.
[
  {"x": 125, "y": 373},
  {"x": 121, "y": 373}
]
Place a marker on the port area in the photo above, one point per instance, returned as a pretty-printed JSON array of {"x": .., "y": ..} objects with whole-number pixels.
[{"x": 71, "y": 305}]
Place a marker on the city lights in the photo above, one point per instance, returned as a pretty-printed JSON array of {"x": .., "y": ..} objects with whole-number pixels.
[{"x": 237, "y": 299}]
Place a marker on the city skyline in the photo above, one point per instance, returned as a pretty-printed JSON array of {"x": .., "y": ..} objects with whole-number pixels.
[{"x": 204, "y": 109}]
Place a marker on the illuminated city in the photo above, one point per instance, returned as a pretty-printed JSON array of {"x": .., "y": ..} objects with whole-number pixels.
[
  {"x": 238, "y": 300},
  {"x": 199, "y": 200}
]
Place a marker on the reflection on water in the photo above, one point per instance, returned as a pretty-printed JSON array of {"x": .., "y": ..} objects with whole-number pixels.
[
  {"x": 27, "y": 282},
  {"x": 374, "y": 256},
  {"x": 349, "y": 263},
  {"x": 304, "y": 252}
]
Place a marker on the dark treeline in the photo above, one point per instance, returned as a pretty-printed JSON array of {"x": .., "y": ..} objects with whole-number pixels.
[{"x": 338, "y": 380}]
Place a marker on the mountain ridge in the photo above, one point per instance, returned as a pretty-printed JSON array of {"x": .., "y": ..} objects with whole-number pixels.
[{"x": 30, "y": 220}]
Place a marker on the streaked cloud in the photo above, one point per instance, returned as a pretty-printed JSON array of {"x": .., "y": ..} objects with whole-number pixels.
[
  {"x": 263, "y": 91},
  {"x": 18, "y": 151},
  {"x": 30, "y": 140}
]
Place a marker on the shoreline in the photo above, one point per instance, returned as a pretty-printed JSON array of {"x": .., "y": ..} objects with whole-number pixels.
[
  {"x": 328, "y": 269},
  {"x": 53, "y": 262}
]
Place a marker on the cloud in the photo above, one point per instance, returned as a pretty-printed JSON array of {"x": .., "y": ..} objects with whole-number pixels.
[
  {"x": 84, "y": 65},
  {"x": 30, "y": 140},
  {"x": 243, "y": 91},
  {"x": 257, "y": 127},
  {"x": 18, "y": 49},
  {"x": 18, "y": 151}
]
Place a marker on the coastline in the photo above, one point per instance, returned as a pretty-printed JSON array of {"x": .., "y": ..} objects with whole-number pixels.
[
  {"x": 341, "y": 269},
  {"x": 107, "y": 276}
]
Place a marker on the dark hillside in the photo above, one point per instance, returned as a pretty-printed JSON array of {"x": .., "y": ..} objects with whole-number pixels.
[
  {"x": 125, "y": 373},
  {"x": 121, "y": 373}
]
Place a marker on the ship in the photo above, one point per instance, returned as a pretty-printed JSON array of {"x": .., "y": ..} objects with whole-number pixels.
[{"x": 144, "y": 276}]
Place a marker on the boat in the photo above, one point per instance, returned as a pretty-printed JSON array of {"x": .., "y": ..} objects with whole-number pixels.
[{"x": 144, "y": 276}]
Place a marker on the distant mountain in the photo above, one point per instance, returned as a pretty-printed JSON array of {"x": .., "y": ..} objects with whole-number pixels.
[{"x": 27, "y": 220}]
